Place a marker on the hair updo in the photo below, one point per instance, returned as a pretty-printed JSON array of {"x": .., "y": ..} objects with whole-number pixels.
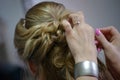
[{"x": 40, "y": 38}]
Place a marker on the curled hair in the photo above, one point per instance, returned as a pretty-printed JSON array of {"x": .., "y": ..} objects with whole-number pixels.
[{"x": 40, "y": 38}]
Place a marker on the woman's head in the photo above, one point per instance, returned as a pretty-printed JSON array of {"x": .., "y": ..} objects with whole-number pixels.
[{"x": 40, "y": 40}]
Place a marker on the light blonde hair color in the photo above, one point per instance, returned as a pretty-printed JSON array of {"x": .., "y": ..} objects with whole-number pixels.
[{"x": 40, "y": 38}]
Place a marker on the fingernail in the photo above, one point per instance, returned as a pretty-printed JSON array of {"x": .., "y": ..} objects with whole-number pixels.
[{"x": 97, "y": 32}]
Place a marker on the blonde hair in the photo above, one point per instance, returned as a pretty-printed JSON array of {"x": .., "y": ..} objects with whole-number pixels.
[{"x": 40, "y": 38}]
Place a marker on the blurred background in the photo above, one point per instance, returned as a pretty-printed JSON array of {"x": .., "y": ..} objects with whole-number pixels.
[{"x": 98, "y": 13}]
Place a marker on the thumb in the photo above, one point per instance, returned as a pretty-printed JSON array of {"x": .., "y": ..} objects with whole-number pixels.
[{"x": 101, "y": 38}]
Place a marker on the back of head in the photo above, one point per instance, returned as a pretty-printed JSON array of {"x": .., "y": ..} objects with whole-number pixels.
[{"x": 40, "y": 38}]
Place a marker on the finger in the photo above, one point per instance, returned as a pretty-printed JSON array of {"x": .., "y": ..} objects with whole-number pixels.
[
  {"x": 67, "y": 27},
  {"x": 76, "y": 18},
  {"x": 81, "y": 14},
  {"x": 101, "y": 38},
  {"x": 110, "y": 30}
]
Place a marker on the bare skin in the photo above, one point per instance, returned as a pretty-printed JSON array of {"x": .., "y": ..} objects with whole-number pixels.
[
  {"x": 80, "y": 39},
  {"x": 109, "y": 40}
]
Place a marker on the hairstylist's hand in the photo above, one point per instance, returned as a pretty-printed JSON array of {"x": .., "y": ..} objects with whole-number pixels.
[
  {"x": 80, "y": 38},
  {"x": 109, "y": 38}
]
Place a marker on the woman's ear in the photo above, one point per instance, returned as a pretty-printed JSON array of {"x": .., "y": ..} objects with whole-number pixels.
[{"x": 32, "y": 67}]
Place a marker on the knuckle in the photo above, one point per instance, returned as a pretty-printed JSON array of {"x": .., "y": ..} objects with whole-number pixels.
[
  {"x": 77, "y": 16},
  {"x": 112, "y": 27},
  {"x": 81, "y": 14},
  {"x": 72, "y": 15}
]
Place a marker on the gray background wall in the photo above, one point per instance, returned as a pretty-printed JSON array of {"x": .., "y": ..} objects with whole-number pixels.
[
  {"x": 11, "y": 11},
  {"x": 98, "y": 13}
]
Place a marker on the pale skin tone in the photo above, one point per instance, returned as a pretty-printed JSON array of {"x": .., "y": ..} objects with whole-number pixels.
[
  {"x": 80, "y": 39},
  {"x": 109, "y": 40}
]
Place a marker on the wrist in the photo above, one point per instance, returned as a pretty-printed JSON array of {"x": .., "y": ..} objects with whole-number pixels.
[
  {"x": 77, "y": 60},
  {"x": 87, "y": 78},
  {"x": 89, "y": 57},
  {"x": 87, "y": 53}
]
